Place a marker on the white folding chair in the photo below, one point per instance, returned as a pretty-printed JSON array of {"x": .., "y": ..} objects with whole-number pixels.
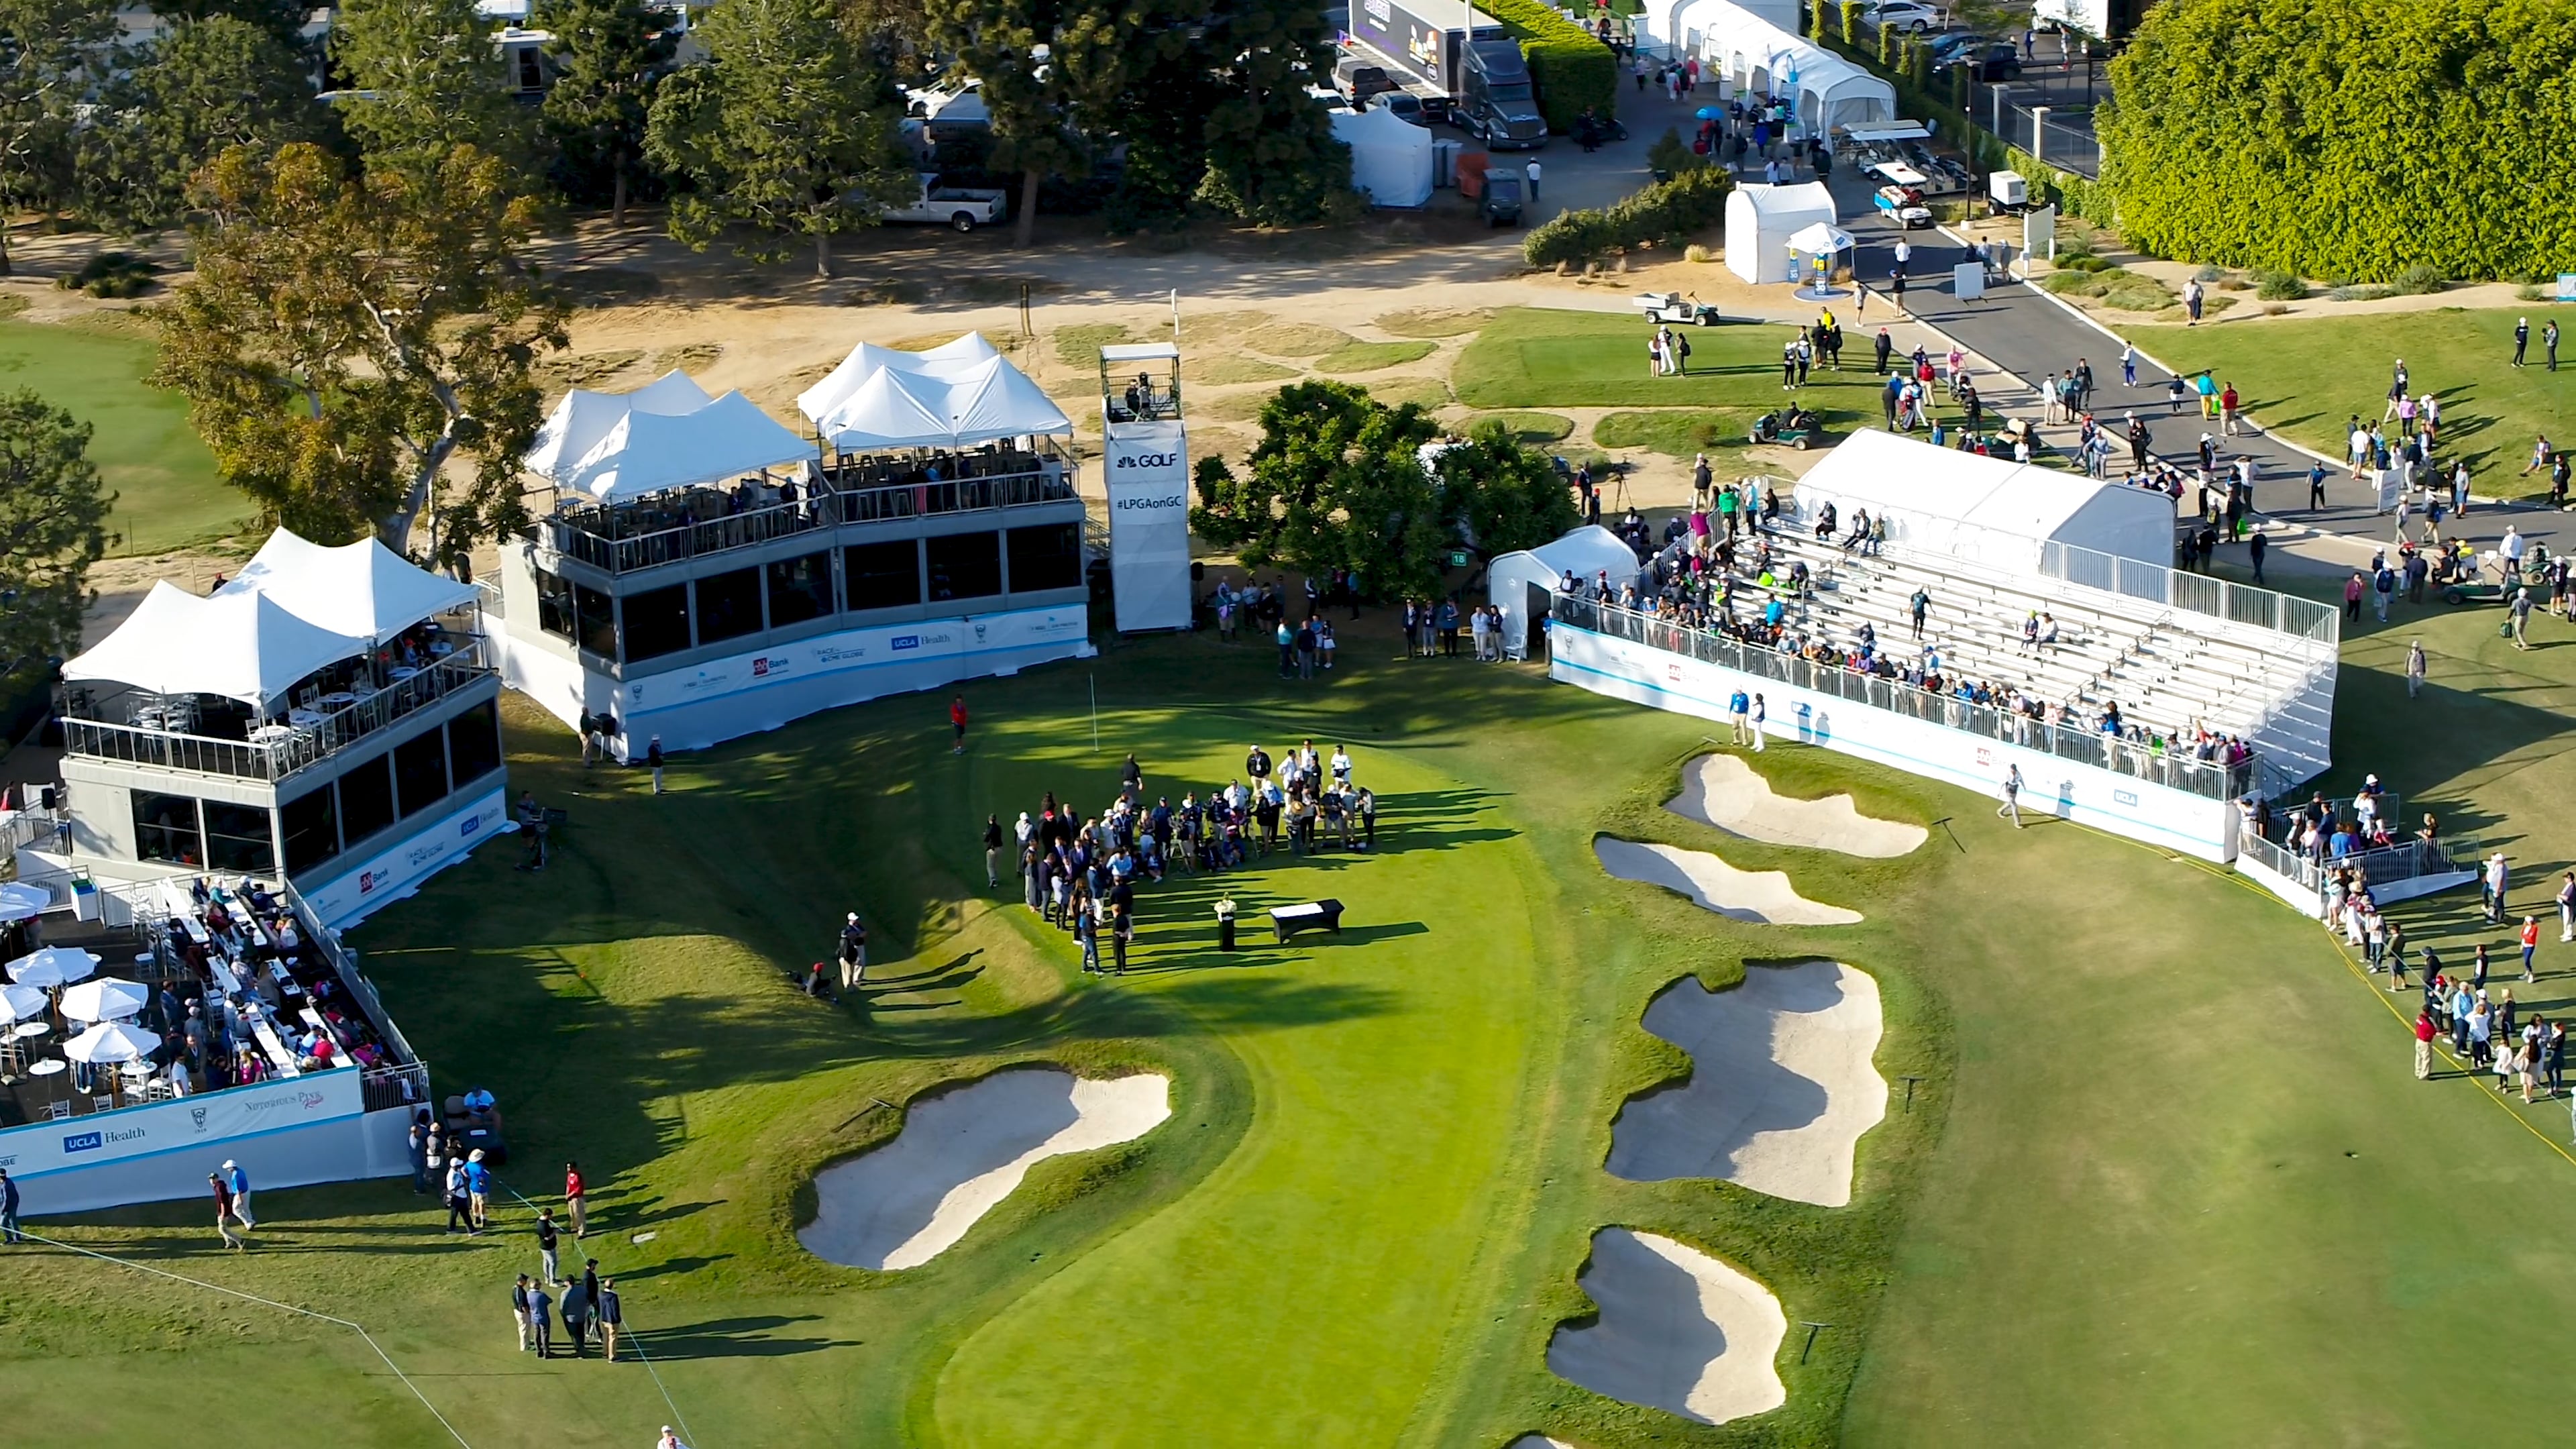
[{"x": 57, "y": 1111}]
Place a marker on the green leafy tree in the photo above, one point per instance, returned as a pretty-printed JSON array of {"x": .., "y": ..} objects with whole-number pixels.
[
  {"x": 357, "y": 350},
  {"x": 52, "y": 528},
  {"x": 1172, "y": 88},
  {"x": 53, "y": 55},
  {"x": 202, "y": 86},
  {"x": 1051, "y": 73},
  {"x": 609, "y": 56},
  {"x": 431, "y": 79},
  {"x": 1271, "y": 155},
  {"x": 1506, "y": 497},
  {"x": 789, "y": 134},
  {"x": 280, "y": 20}
]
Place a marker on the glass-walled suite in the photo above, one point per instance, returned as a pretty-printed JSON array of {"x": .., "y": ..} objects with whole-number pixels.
[
  {"x": 961, "y": 570},
  {"x": 341, "y": 816}
]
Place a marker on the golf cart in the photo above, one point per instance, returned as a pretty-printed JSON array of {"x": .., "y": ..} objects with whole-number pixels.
[
  {"x": 1673, "y": 307},
  {"x": 1793, "y": 427},
  {"x": 1905, "y": 204},
  {"x": 2461, "y": 574},
  {"x": 1501, "y": 205}
]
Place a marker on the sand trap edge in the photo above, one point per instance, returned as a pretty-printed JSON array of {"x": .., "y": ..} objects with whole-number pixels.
[
  {"x": 1759, "y": 812},
  {"x": 1643, "y": 1349},
  {"x": 1760, "y": 897}
]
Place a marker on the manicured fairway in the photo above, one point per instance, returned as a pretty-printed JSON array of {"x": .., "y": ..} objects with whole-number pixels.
[
  {"x": 1542, "y": 358},
  {"x": 164, "y": 479},
  {"x": 2305, "y": 377}
]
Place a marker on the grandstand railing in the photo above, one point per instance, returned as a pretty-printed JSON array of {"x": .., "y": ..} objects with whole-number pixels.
[
  {"x": 2209, "y": 779},
  {"x": 2405, "y": 860}
]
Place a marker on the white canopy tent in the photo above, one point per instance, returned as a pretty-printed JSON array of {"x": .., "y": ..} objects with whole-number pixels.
[
  {"x": 867, "y": 359},
  {"x": 655, "y": 452},
  {"x": 239, "y": 646},
  {"x": 1587, "y": 552},
  {"x": 583, "y": 418},
  {"x": 1756, "y": 55},
  {"x": 1390, "y": 156},
  {"x": 362, "y": 589},
  {"x": 906, "y": 408},
  {"x": 1677, "y": 25},
  {"x": 1986, "y": 510},
  {"x": 1761, "y": 220}
]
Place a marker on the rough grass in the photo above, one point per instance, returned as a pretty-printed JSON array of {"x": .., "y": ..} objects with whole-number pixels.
[
  {"x": 1291, "y": 339},
  {"x": 1677, "y": 432},
  {"x": 1372, "y": 356},
  {"x": 1234, "y": 407},
  {"x": 1428, "y": 322},
  {"x": 1079, "y": 345},
  {"x": 1529, "y": 427},
  {"x": 1225, "y": 368},
  {"x": 584, "y": 369},
  {"x": 692, "y": 357},
  {"x": 1430, "y": 392}
]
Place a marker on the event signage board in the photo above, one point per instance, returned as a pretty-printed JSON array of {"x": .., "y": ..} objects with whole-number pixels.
[
  {"x": 208, "y": 1121},
  {"x": 1147, "y": 465},
  {"x": 349, "y": 897}
]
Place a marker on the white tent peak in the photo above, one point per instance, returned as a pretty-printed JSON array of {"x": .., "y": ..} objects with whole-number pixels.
[
  {"x": 649, "y": 452},
  {"x": 1586, "y": 553},
  {"x": 243, "y": 646},
  {"x": 948, "y": 408},
  {"x": 363, "y": 589},
  {"x": 583, "y": 417},
  {"x": 1990, "y": 510},
  {"x": 868, "y": 359}
]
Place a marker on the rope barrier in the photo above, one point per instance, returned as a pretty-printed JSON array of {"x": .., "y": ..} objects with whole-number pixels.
[{"x": 265, "y": 1303}]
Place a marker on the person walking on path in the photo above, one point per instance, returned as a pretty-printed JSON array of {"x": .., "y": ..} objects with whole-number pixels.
[
  {"x": 957, "y": 724},
  {"x": 2011, "y": 808},
  {"x": 223, "y": 1209},
  {"x": 2521, "y": 618},
  {"x": 2414, "y": 668},
  {"x": 2530, "y": 945},
  {"x": 612, "y": 1316},
  {"x": 2128, "y": 364},
  {"x": 1529, "y": 173},
  {"x": 541, "y": 1321},
  {"x": 653, "y": 762},
  {"x": 547, "y": 1240},
  {"x": 478, "y": 1194},
  {"x": 576, "y": 1199},
  {"x": 2352, "y": 590},
  {"x": 2254, "y": 551},
  {"x": 2191, "y": 301},
  {"x": 519, "y": 1310},
  {"x": 2424, "y": 1046},
  {"x": 9, "y": 1210}
]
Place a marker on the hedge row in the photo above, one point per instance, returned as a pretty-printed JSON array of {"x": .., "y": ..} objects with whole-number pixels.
[
  {"x": 1571, "y": 70},
  {"x": 2349, "y": 138},
  {"x": 1668, "y": 211}
]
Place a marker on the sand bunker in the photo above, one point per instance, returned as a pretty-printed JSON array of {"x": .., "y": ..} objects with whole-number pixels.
[
  {"x": 1723, "y": 791},
  {"x": 960, "y": 1153},
  {"x": 1762, "y": 896},
  {"x": 1781, "y": 1084},
  {"x": 1679, "y": 1331}
]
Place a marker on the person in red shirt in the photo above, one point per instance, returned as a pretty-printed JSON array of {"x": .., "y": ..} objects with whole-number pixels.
[
  {"x": 2423, "y": 1046},
  {"x": 957, "y": 722},
  {"x": 2227, "y": 411},
  {"x": 2530, "y": 943},
  {"x": 574, "y": 1203}
]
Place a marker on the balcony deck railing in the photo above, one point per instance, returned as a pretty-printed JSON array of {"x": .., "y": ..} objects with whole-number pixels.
[
  {"x": 284, "y": 749},
  {"x": 595, "y": 536},
  {"x": 2210, "y": 779}
]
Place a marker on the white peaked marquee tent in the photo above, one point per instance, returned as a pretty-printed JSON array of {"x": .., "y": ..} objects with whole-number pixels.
[
  {"x": 363, "y": 589},
  {"x": 1756, "y": 55},
  {"x": 1390, "y": 156},
  {"x": 583, "y": 418},
  {"x": 1989, "y": 510},
  {"x": 242, "y": 646},
  {"x": 867, "y": 360},
  {"x": 1762, "y": 220},
  {"x": 1586, "y": 553},
  {"x": 898, "y": 407},
  {"x": 655, "y": 452}
]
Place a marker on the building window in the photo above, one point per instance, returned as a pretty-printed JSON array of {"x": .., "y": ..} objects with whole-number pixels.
[
  {"x": 964, "y": 566},
  {"x": 1046, "y": 557},
  {"x": 165, "y": 829},
  {"x": 882, "y": 575},
  {"x": 420, "y": 772},
  {"x": 312, "y": 829},
  {"x": 554, "y": 605},
  {"x": 728, "y": 605},
  {"x": 366, "y": 799},
  {"x": 657, "y": 622},
  {"x": 474, "y": 744},
  {"x": 595, "y": 620},
  {"x": 237, "y": 838},
  {"x": 800, "y": 589}
]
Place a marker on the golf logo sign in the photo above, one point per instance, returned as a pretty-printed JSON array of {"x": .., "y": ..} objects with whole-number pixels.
[{"x": 1148, "y": 480}]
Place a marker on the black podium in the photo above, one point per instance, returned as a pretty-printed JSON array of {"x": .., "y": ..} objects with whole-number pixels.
[{"x": 1312, "y": 916}]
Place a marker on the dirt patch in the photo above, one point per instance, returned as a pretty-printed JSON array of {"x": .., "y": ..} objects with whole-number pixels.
[
  {"x": 1427, "y": 323},
  {"x": 1293, "y": 339},
  {"x": 1228, "y": 368}
]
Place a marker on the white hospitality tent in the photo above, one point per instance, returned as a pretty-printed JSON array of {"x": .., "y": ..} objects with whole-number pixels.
[
  {"x": 1758, "y": 56},
  {"x": 1676, "y": 25},
  {"x": 904, "y": 408},
  {"x": 1390, "y": 157},
  {"x": 363, "y": 589},
  {"x": 238, "y": 646},
  {"x": 1761, "y": 220},
  {"x": 1985, "y": 510},
  {"x": 866, "y": 360},
  {"x": 1586, "y": 552},
  {"x": 584, "y": 417},
  {"x": 656, "y": 452}
]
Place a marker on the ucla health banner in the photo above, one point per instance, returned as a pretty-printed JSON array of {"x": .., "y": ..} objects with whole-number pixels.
[
  {"x": 212, "y": 1122},
  {"x": 1148, "y": 468}
]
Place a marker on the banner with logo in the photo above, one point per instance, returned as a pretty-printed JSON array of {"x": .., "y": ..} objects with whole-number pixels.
[
  {"x": 349, "y": 897},
  {"x": 1148, "y": 468},
  {"x": 208, "y": 1122}
]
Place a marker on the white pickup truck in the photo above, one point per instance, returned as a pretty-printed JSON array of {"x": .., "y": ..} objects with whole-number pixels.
[{"x": 963, "y": 208}]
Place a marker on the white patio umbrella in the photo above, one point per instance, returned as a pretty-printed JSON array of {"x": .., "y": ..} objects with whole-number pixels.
[
  {"x": 105, "y": 999},
  {"x": 20, "y": 901},
  {"x": 112, "y": 1041},
  {"x": 53, "y": 966},
  {"x": 20, "y": 1003}
]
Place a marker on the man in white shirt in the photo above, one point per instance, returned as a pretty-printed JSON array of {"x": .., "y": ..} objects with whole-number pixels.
[
  {"x": 1341, "y": 766},
  {"x": 1529, "y": 172}
]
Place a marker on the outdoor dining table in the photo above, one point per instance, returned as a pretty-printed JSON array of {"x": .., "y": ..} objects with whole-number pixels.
[
  {"x": 400, "y": 672},
  {"x": 338, "y": 699},
  {"x": 303, "y": 718},
  {"x": 272, "y": 734},
  {"x": 49, "y": 1067},
  {"x": 26, "y": 1029}
]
